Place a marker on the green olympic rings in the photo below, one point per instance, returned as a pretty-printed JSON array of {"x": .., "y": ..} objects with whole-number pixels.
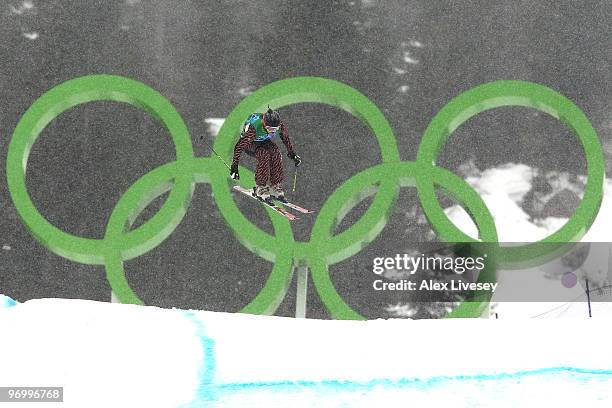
[
  {"x": 326, "y": 249},
  {"x": 531, "y": 95},
  {"x": 120, "y": 243},
  {"x": 64, "y": 97}
]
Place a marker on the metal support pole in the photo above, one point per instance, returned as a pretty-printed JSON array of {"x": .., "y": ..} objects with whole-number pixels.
[{"x": 301, "y": 291}]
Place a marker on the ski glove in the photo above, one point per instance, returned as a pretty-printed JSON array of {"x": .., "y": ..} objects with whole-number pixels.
[
  {"x": 234, "y": 172},
  {"x": 296, "y": 159}
]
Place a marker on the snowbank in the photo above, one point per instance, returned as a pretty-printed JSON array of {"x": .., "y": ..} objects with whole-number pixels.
[{"x": 122, "y": 355}]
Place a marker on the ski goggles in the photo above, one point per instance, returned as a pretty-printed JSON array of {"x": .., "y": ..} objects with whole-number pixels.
[{"x": 271, "y": 129}]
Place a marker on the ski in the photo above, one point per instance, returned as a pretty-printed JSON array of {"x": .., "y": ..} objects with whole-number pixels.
[
  {"x": 293, "y": 206},
  {"x": 270, "y": 204}
]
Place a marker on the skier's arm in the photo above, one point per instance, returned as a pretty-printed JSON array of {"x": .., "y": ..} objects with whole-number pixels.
[
  {"x": 287, "y": 142},
  {"x": 242, "y": 143}
]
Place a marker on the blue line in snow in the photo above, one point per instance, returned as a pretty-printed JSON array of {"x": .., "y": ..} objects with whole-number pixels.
[
  {"x": 208, "y": 392},
  {"x": 414, "y": 382},
  {"x": 6, "y": 301},
  {"x": 206, "y": 388}
]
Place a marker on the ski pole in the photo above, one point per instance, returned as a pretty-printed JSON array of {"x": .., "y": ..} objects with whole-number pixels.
[{"x": 216, "y": 154}]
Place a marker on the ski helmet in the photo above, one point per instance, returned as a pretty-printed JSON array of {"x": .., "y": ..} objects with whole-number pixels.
[{"x": 272, "y": 118}]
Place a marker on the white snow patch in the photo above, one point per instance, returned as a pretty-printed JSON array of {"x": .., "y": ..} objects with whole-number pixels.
[
  {"x": 502, "y": 189},
  {"x": 401, "y": 310},
  {"x": 416, "y": 44},
  {"x": 408, "y": 58},
  {"x": 214, "y": 125},
  {"x": 512, "y": 180},
  {"x": 512, "y": 222},
  {"x": 26, "y": 5},
  {"x": 245, "y": 91},
  {"x": 31, "y": 36}
]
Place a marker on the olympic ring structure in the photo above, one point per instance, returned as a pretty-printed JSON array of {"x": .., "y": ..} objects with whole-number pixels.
[{"x": 122, "y": 243}]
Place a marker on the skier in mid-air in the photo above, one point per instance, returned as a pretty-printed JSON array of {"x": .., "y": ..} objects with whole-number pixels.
[{"x": 256, "y": 141}]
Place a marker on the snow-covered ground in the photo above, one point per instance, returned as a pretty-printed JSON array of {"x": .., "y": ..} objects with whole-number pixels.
[{"x": 112, "y": 355}]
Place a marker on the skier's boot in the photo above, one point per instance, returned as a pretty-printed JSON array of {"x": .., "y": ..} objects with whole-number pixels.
[
  {"x": 277, "y": 193},
  {"x": 261, "y": 192}
]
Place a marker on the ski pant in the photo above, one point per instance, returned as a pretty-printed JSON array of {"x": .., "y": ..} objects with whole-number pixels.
[{"x": 269, "y": 162}]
